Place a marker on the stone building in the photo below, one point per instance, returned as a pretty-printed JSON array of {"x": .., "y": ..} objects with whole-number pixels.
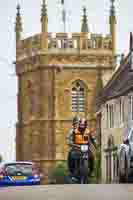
[
  {"x": 58, "y": 78},
  {"x": 115, "y": 106}
]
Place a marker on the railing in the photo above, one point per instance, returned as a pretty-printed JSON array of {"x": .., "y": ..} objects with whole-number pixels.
[{"x": 63, "y": 41}]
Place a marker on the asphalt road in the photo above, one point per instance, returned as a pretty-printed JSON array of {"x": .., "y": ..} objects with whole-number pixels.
[{"x": 68, "y": 192}]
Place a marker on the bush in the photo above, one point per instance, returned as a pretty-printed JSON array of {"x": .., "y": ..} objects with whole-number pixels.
[
  {"x": 59, "y": 174},
  {"x": 97, "y": 167}
]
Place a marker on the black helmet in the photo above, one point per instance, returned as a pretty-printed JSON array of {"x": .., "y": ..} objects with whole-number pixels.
[{"x": 75, "y": 120}]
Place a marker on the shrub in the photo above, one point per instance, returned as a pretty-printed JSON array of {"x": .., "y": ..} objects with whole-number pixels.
[
  {"x": 97, "y": 167},
  {"x": 59, "y": 174}
]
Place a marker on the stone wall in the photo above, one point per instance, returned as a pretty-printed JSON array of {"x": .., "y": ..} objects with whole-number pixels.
[{"x": 45, "y": 78}]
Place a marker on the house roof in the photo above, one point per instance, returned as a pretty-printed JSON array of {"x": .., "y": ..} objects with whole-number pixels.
[{"x": 120, "y": 84}]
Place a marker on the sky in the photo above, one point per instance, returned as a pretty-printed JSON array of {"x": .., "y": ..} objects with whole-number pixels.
[{"x": 98, "y": 22}]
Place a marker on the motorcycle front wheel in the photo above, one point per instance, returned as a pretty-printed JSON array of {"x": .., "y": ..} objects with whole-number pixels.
[{"x": 84, "y": 171}]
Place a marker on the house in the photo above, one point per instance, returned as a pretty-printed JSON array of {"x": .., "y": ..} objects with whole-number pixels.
[{"x": 115, "y": 108}]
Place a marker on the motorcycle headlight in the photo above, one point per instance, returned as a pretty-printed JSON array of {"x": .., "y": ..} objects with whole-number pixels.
[{"x": 84, "y": 148}]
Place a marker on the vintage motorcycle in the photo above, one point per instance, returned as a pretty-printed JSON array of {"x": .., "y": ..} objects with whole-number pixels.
[{"x": 80, "y": 158}]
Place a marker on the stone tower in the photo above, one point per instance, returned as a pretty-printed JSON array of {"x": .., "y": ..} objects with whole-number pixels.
[{"x": 57, "y": 80}]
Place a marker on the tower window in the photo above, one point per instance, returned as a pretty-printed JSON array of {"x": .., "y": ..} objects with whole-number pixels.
[{"x": 78, "y": 97}]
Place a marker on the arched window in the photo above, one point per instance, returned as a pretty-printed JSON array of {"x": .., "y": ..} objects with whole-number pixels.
[{"x": 78, "y": 97}]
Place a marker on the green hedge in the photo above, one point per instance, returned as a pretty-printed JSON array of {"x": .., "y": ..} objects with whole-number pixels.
[
  {"x": 97, "y": 167},
  {"x": 59, "y": 174}
]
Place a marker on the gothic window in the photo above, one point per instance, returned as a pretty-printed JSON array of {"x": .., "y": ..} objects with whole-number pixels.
[{"x": 78, "y": 97}]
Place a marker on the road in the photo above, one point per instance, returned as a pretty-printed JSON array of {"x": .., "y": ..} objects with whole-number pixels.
[{"x": 68, "y": 192}]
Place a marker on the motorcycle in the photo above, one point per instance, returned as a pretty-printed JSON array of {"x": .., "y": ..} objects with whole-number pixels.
[{"x": 80, "y": 155}]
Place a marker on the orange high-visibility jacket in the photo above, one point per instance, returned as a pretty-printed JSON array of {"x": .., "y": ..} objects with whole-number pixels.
[{"x": 81, "y": 138}]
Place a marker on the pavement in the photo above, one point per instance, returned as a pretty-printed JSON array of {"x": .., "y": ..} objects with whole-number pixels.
[{"x": 68, "y": 192}]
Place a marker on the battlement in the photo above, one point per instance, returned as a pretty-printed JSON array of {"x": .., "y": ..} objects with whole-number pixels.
[{"x": 62, "y": 43}]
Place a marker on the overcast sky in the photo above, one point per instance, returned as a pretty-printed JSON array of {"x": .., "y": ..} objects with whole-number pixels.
[{"x": 98, "y": 17}]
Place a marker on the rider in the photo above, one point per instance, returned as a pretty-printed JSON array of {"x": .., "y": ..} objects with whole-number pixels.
[
  {"x": 70, "y": 141},
  {"x": 70, "y": 135},
  {"x": 78, "y": 136}
]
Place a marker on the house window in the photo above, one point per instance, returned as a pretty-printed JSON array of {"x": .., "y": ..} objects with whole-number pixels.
[
  {"x": 123, "y": 109},
  {"x": 78, "y": 97},
  {"x": 107, "y": 111},
  {"x": 110, "y": 116},
  {"x": 122, "y": 114},
  {"x": 130, "y": 107},
  {"x": 120, "y": 109}
]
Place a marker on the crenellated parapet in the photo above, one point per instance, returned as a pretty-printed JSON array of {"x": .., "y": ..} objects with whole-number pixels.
[
  {"x": 62, "y": 43},
  {"x": 28, "y": 47}
]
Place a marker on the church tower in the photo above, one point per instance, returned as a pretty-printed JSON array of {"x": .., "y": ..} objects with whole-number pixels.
[{"x": 58, "y": 79}]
